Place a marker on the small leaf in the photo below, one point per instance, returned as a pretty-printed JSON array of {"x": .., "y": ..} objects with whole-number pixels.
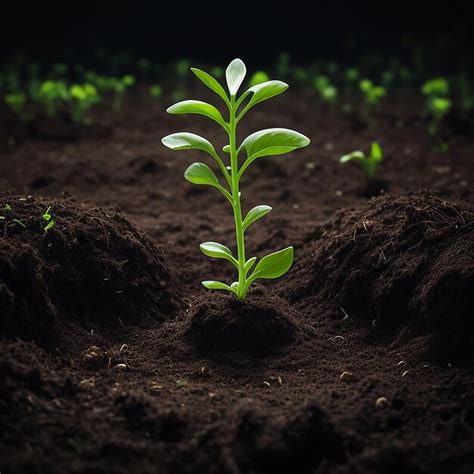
[
  {"x": 216, "y": 285},
  {"x": 249, "y": 264},
  {"x": 265, "y": 91},
  {"x": 197, "y": 107},
  {"x": 216, "y": 250},
  {"x": 376, "y": 152},
  {"x": 226, "y": 148},
  {"x": 210, "y": 82},
  {"x": 187, "y": 141},
  {"x": 254, "y": 214},
  {"x": 355, "y": 155},
  {"x": 235, "y": 74},
  {"x": 199, "y": 173},
  {"x": 273, "y": 141},
  {"x": 274, "y": 265}
]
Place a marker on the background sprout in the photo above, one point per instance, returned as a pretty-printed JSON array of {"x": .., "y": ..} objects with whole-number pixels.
[
  {"x": 327, "y": 91},
  {"x": 352, "y": 74},
  {"x": 437, "y": 102},
  {"x": 17, "y": 103},
  {"x": 272, "y": 141},
  {"x": 217, "y": 72},
  {"x": 83, "y": 97},
  {"x": 369, "y": 163},
  {"x": 52, "y": 94},
  {"x": 436, "y": 87},
  {"x": 156, "y": 91},
  {"x": 372, "y": 93},
  {"x": 258, "y": 77}
]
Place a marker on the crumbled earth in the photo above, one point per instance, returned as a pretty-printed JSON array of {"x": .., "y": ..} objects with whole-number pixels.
[{"x": 114, "y": 359}]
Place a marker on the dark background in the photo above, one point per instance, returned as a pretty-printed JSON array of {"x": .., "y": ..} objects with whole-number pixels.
[{"x": 256, "y": 31}]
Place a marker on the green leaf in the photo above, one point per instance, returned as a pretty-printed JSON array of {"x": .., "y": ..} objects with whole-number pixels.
[
  {"x": 249, "y": 264},
  {"x": 273, "y": 141},
  {"x": 265, "y": 91},
  {"x": 210, "y": 82},
  {"x": 235, "y": 74},
  {"x": 273, "y": 265},
  {"x": 376, "y": 152},
  {"x": 355, "y": 155},
  {"x": 254, "y": 214},
  {"x": 226, "y": 148},
  {"x": 197, "y": 107},
  {"x": 199, "y": 173},
  {"x": 216, "y": 285},
  {"x": 216, "y": 250},
  {"x": 187, "y": 141}
]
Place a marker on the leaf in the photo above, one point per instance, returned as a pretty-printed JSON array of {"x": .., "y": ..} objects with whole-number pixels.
[
  {"x": 235, "y": 74},
  {"x": 199, "y": 173},
  {"x": 376, "y": 152},
  {"x": 265, "y": 91},
  {"x": 187, "y": 141},
  {"x": 197, "y": 107},
  {"x": 355, "y": 155},
  {"x": 249, "y": 264},
  {"x": 273, "y": 141},
  {"x": 254, "y": 214},
  {"x": 210, "y": 82},
  {"x": 216, "y": 250},
  {"x": 216, "y": 285},
  {"x": 274, "y": 265}
]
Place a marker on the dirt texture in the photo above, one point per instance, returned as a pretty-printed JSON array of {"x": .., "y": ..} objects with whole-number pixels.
[{"x": 114, "y": 359}]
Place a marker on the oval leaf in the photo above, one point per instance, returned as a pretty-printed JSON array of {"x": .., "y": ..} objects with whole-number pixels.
[
  {"x": 210, "y": 82},
  {"x": 216, "y": 285},
  {"x": 265, "y": 91},
  {"x": 187, "y": 141},
  {"x": 273, "y": 141},
  {"x": 274, "y": 265},
  {"x": 197, "y": 107},
  {"x": 249, "y": 264},
  {"x": 199, "y": 173},
  {"x": 235, "y": 74},
  {"x": 376, "y": 152},
  {"x": 254, "y": 214},
  {"x": 216, "y": 250},
  {"x": 355, "y": 155}
]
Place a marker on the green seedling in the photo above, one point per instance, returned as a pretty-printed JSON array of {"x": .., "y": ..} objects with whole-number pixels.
[
  {"x": 83, "y": 98},
  {"x": 352, "y": 75},
  {"x": 273, "y": 141},
  {"x": 114, "y": 85},
  {"x": 156, "y": 91},
  {"x": 372, "y": 93},
  {"x": 437, "y": 102},
  {"x": 52, "y": 94},
  {"x": 326, "y": 90},
  {"x": 217, "y": 72},
  {"x": 182, "y": 68},
  {"x": 8, "y": 221},
  {"x": 369, "y": 163},
  {"x": 48, "y": 219},
  {"x": 283, "y": 64},
  {"x": 258, "y": 77},
  {"x": 17, "y": 103}
]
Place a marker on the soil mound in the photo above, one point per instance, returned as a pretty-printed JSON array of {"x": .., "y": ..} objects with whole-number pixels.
[
  {"x": 261, "y": 324},
  {"x": 92, "y": 267},
  {"x": 397, "y": 260}
]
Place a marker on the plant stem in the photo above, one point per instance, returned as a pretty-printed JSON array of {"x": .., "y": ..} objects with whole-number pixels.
[{"x": 239, "y": 233}]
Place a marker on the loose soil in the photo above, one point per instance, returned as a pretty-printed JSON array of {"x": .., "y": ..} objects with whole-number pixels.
[{"x": 114, "y": 359}]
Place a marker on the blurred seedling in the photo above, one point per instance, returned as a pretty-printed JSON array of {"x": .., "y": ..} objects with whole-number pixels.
[
  {"x": 155, "y": 91},
  {"x": 327, "y": 91},
  {"x": 52, "y": 94},
  {"x": 83, "y": 98},
  {"x": 372, "y": 94},
  {"x": 17, "y": 103},
  {"x": 438, "y": 103},
  {"x": 272, "y": 141},
  {"x": 257, "y": 78},
  {"x": 369, "y": 163}
]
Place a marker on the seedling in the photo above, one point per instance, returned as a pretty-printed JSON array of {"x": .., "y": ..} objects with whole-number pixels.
[
  {"x": 258, "y": 77},
  {"x": 372, "y": 93},
  {"x": 326, "y": 90},
  {"x": 48, "y": 219},
  {"x": 352, "y": 74},
  {"x": 156, "y": 91},
  {"x": 437, "y": 102},
  {"x": 369, "y": 163},
  {"x": 17, "y": 103},
  {"x": 52, "y": 93},
  {"x": 84, "y": 96},
  {"x": 7, "y": 219},
  {"x": 273, "y": 141}
]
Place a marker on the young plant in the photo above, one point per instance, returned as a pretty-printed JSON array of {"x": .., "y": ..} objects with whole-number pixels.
[
  {"x": 437, "y": 102},
  {"x": 49, "y": 222},
  {"x": 258, "y": 77},
  {"x": 52, "y": 94},
  {"x": 372, "y": 93},
  {"x": 369, "y": 163},
  {"x": 326, "y": 90},
  {"x": 272, "y": 141},
  {"x": 17, "y": 103},
  {"x": 83, "y": 97},
  {"x": 155, "y": 91}
]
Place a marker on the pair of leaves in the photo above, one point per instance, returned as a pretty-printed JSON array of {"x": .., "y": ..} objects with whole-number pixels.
[
  {"x": 269, "y": 267},
  {"x": 369, "y": 163}
]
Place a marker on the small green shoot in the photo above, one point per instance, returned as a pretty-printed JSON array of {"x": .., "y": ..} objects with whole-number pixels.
[
  {"x": 327, "y": 91},
  {"x": 372, "y": 93},
  {"x": 258, "y": 77},
  {"x": 52, "y": 94},
  {"x": 272, "y": 141},
  {"x": 17, "y": 103},
  {"x": 438, "y": 103},
  {"x": 83, "y": 98},
  {"x": 48, "y": 218},
  {"x": 155, "y": 91},
  {"x": 369, "y": 163}
]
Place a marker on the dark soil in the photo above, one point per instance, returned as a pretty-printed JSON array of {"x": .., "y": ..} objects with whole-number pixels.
[{"x": 114, "y": 359}]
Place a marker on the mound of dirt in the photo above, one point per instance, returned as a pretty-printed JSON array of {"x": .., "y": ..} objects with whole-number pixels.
[
  {"x": 397, "y": 260},
  {"x": 93, "y": 267},
  {"x": 261, "y": 324}
]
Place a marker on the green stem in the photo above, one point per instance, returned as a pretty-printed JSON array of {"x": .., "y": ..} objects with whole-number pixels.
[{"x": 239, "y": 233}]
